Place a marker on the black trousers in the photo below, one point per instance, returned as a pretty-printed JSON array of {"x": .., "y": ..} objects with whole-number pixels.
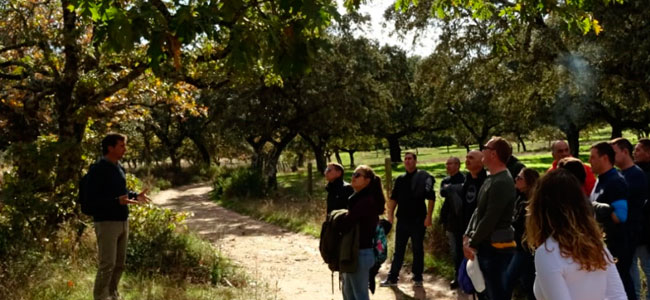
[{"x": 404, "y": 231}]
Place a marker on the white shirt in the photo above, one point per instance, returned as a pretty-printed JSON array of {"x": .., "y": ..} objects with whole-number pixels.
[{"x": 560, "y": 278}]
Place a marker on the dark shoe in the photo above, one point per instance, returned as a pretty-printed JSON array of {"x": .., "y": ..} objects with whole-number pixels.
[
  {"x": 453, "y": 285},
  {"x": 388, "y": 282},
  {"x": 417, "y": 283}
]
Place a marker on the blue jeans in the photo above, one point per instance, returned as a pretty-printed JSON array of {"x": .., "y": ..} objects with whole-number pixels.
[
  {"x": 404, "y": 231},
  {"x": 355, "y": 285},
  {"x": 456, "y": 247},
  {"x": 493, "y": 264},
  {"x": 641, "y": 255},
  {"x": 521, "y": 269}
]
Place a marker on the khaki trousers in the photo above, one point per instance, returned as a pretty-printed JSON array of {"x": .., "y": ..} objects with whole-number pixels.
[{"x": 111, "y": 244}]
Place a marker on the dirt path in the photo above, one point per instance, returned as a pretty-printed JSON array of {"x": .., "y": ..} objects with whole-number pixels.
[{"x": 287, "y": 261}]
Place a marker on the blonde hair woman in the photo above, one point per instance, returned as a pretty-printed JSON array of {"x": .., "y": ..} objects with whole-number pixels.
[{"x": 571, "y": 260}]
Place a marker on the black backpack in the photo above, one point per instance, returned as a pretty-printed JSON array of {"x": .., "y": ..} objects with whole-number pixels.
[
  {"x": 329, "y": 245},
  {"x": 87, "y": 206}
]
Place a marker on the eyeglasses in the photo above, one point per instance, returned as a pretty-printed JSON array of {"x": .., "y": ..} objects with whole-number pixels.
[
  {"x": 519, "y": 177},
  {"x": 357, "y": 175}
]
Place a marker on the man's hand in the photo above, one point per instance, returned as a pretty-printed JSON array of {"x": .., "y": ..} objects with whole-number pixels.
[
  {"x": 142, "y": 198},
  {"x": 467, "y": 250},
  {"x": 427, "y": 221},
  {"x": 124, "y": 200},
  {"x": 390, "y": 218}
]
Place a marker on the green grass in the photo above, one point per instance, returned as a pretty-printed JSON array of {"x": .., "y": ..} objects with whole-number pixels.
[
  {"x": 293, "y": 208},
  {"x": 61, "y": 269}
]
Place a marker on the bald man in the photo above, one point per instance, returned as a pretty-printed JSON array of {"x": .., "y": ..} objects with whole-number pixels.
[
  {"x": 469, "y": 193},
  {"x": 560, "y": 149}
]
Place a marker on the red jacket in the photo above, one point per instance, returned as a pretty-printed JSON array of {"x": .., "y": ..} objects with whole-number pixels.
[{"x": 590, "y": 179}]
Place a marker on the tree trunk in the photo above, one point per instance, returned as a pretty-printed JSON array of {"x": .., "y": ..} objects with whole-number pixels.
[
  {"x": 467, "y": 148},
  {"x": 338, "y": 156},
  {"x": 321, "y": 162},
  {"x": 318, "y": 147},
  {"x": 573, "y": 137},
  {"x": 203, "y": 150},
  {"x": 267, "y": 162},
  {"x": 176, "y": 162},
  {"x": 301, "y": 159},
  {"x": 395, "y": 150},
  {"x": 351, "y": 153},
  {"x": 617, "y": 130},
  {"x": 521, "y": 140}
]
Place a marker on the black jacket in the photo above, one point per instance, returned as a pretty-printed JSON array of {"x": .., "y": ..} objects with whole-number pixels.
[
  {"x": 106, "y": 183},
  {"x": 645, "y": 235},
  {"x": 410, "y": 190},
  {"x": 451, "y": 211},
  {"x": 338, "y": 192},
  {"x": 469, "y": 194},
  {"x": 519, "y": 220}
]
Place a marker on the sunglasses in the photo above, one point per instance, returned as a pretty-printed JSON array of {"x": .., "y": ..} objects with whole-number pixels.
[{"x": 357, "y": 175}]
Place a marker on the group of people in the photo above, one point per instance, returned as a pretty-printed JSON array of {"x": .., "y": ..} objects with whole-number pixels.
[{"x": 577, "y": 232}]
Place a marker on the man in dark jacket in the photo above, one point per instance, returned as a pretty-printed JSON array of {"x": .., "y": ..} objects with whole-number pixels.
[
  {"x": 450, "y": 213},
  {"x": 642, "y": 254},
  {"x": 611, "y": 203},
  {"x": 409, "y": 193},
  {"x": 109, "y": 196},
  {"x": 338, "y": 191}
]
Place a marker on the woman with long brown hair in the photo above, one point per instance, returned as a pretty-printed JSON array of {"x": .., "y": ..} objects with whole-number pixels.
[{"x": 571, "y": 259}]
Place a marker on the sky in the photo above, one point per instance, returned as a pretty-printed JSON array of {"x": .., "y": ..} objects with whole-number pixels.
[{"x": 381, "y": 30}]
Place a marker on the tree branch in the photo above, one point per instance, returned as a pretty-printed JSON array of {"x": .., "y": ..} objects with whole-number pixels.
[
  {"x": 119, "y": 84},
  {"x": 17, "y": 46}
]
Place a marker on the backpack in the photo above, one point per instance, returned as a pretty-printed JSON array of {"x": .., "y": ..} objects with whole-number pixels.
[
  {"x": 329, "y": 243},
  {"x": 380, "y": 245},
  {"x": 87, "y": 206},
  {"x": 464, "y": 281}
]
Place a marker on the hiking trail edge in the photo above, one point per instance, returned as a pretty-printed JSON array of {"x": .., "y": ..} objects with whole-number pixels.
[{"x": 288, "y": 262}]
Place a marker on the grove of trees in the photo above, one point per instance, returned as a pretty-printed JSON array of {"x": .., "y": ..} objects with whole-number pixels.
[{"x": 198, "y": 81}]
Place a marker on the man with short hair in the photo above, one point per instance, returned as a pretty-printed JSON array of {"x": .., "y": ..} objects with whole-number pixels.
[
  {"x": 560, "y": 149},
  {"x": 108, "y": 193},
  {"x": 642, "y": 158},
  {"x": 490, "y": 235},
  {"x": 642, "y": 253},
  {"x": 338, "y": 191},
  {"x": 473, "y": 182},
  {"x": 409, "y": 192},
  {"x": 450, "y": 213},
  {"x": 610, "y": 200}
]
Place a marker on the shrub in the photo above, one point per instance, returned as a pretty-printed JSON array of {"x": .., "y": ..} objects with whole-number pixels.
[
  {"x": 240, "y": 182},
  {"x": 160, "y": 244},
  {"x": 164, "y": 177}
]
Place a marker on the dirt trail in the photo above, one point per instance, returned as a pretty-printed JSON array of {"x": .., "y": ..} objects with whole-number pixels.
[{"x": 287, "y": 261}]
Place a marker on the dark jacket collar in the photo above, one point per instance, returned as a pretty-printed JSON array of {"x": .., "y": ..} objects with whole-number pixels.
[
  {"x": 645, "y": 166},
  {"x": 335, "y": 184}
]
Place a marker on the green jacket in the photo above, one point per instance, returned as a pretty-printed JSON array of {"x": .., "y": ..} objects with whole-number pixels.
[{"x": 349, "y": 244}]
